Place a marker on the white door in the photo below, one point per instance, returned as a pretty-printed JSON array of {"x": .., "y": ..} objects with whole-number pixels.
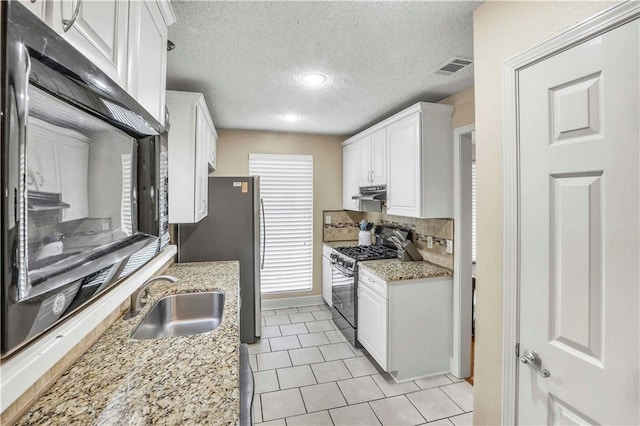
[
  {"x": 98, "y": 29},
  {"x": 403, "y": 167},
  {"x": 379, "y": 157},
  {"x": 579, "y": 233}
]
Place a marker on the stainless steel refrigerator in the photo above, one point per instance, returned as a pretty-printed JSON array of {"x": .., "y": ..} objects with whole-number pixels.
[{"x": 231, "y": 231}]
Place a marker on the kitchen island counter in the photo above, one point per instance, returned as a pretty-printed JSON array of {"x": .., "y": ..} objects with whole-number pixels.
[
  {"x": 176, "y": 380},
  {"x": 395, "y": 270}
]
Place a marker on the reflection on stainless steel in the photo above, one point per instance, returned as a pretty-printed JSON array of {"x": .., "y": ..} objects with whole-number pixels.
[{"x": 182, "y": 315}]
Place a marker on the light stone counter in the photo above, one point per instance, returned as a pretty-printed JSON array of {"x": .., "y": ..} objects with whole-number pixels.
[
  {"x": 395, "y": 270},
  {"x": 173, "y": 381}
]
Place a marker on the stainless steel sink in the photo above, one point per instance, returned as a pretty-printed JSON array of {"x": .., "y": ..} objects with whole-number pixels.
[{"x": 182, "y": 315}]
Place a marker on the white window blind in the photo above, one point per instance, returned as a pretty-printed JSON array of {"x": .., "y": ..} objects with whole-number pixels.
[
  {"x": 286, "y": 189},
  {"x": 473, "y": 211}
]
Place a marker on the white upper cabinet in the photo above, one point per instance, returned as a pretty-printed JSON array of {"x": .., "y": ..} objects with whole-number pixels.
[
  {"x": 98, "y": 29},
  {"x": 190, "y": 142},
  {"x": 379, "y": 157},
  {"x": 350, "y": 173},
  {"x": 38, "y": 7},
  {"x": 373, "y": 159},
  {"x": 420, "y": 162},
  {"x": 147, "y": 76}
]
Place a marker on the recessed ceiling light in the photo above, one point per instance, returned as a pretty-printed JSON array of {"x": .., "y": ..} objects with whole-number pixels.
[
  {"x": 313, "y": 79},
  {"x": 291, "y": 117}
]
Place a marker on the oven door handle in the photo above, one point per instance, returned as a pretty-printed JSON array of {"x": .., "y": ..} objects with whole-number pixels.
[{"x": 342, "y": 270}]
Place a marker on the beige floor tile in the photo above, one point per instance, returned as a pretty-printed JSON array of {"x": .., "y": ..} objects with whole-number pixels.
[
  {"x": 284, "y": 343},
  {"x": 336, "y": 351},
  {"x": 253, "y": 362},
  {"x": 356, "y": 415},
  {"x": 281, "y": 404},
  {"x": 309, "y": 308},
  {"x": 390, "y": 388},
  {"x": 273, "y": 360},
  {"x": 271, "y": 331},
  {"x": 286, "y": 311},
  {"x": 441, "y": 422},
  {"x": 462, "y": 420},
  {"x": 259, "y": 347},
  {"x": 360, "y": 389},
  {"x": 320, "y": 418},
  {"x": 313, "y": 339},
  {"x": 279, "y": 422},
  {"x": 301, "y": 317},
  {"x": 305, "y": 356},
  {"x": 291, "y": 329},
  {"x": 330, "y": 371},
  {"x": 362, "y": 366},
  {"x": 268, "y": 313},
  {"x": 315, "y": 326},
  {"x": 257, "y": 409},
  {"x": 322, "y": 315},
  {"x": 461, "y": 393},
  {"x": 396, "y": 411},
  {"x": 322, "y": 397},
  {"x": 265, "y": 381},
  {"x": 433, "y": 382},
  {"x": 335, "y": 336},
  {"x": 433, "y": 404},
  {"x": 294, "y": 377},
  {"x": 277, "y": 320}
]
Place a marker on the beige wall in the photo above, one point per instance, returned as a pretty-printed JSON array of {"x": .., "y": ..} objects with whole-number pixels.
[
  {"x": 501, "y": 31},
  {"x": 234, "y": 147},
  {"x": 464, "y": 103}
]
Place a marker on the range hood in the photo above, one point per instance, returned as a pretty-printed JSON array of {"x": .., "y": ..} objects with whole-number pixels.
[
  {"x": 44, "y": 201},
  {"x": 372, "y": 193}
]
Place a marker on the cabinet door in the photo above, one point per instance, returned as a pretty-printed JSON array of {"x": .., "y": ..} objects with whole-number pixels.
[
  {"x": 403, "y": 161},
  {"x": 74, "y": 162},
  {"x": 350, "y": 170},
  {"x": 43, "y": 163},
  {"x": 326, "y": 280},
  {"x": 213, "y": 146},
  {"x": 201, "y": 168},
  {"x": 38, "y": 7},
  {"x": 364, "y": 166},
  {"x": 147, "y": 76},
  {"x": 373, "y": 324},
  {"x": 99, "y": 32},
  {"x": 379, "y": 157}
]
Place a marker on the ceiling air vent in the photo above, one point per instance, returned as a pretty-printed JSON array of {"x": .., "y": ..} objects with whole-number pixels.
[{"x": 453, "y": 65}]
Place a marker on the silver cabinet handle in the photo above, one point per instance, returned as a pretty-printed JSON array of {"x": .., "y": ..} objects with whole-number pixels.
[
  {"x": 68, "y": 23},
  {"x": 531, "y": 358}
]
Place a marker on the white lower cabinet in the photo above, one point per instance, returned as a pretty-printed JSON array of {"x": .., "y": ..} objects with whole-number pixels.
[
  {"x": 406, "y": 326},
  {"x": 326, "y": 275}
]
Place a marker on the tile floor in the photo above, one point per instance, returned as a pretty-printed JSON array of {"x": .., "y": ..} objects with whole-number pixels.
[{"x": 306, "y": 374}]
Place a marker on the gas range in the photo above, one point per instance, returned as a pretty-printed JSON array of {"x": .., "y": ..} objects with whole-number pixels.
[{"x": 346, "y": 258}]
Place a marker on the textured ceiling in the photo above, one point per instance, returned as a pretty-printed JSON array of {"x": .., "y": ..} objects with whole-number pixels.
[{"x": 246, "y": 57}]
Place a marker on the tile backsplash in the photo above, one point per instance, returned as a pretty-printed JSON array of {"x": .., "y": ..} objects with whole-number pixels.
[{"x": 344, "y": 227}]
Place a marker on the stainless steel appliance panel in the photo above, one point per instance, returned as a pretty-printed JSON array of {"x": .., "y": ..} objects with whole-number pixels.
[{"x": 229, "y": 232}]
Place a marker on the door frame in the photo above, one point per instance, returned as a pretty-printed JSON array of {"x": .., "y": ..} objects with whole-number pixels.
[
  {"x": 460, "y": 363},
  {"x": 598, "y": 24}
]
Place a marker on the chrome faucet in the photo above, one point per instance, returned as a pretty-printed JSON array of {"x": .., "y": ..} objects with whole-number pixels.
[{"x": 136, "y": 296}]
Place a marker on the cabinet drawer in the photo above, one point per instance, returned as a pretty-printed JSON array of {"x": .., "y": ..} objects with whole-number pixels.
[{"x": 374, "y": 282}]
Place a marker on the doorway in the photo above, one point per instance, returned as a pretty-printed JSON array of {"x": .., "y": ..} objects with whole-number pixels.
[{"x": 463, "y": 263}]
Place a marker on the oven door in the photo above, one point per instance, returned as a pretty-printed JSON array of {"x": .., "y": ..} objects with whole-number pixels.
[{"x": 343, "y": 292}]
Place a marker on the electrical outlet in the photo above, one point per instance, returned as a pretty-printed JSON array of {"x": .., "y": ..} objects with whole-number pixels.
[
  {"x": 449, "y": 246},
  {"x": 430, "y": 242},
  {"x": 327, "y": 219}
]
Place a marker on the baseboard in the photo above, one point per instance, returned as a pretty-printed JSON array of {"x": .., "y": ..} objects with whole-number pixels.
[{"x": 292, "y": 302}]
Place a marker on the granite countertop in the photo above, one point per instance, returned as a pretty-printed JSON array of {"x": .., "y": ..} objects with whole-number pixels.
[
  {"x": 395, "y": 270},
  {"x": 170, "y": 381},
  {"x": 335, "y": 244}
]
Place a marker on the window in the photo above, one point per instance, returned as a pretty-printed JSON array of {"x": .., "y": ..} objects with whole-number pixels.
[
  {"x": 473, "y": 211},
  {"x": 286, "y": 189}
]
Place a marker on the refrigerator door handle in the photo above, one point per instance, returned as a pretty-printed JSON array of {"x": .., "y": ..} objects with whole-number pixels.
[{"x": 264, "y": 233}]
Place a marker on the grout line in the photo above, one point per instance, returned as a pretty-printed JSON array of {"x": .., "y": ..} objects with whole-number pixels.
[{"x": 457, "y": 405}]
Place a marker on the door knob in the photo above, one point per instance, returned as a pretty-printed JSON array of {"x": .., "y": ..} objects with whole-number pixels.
[{"x": 532, "y": 358}]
